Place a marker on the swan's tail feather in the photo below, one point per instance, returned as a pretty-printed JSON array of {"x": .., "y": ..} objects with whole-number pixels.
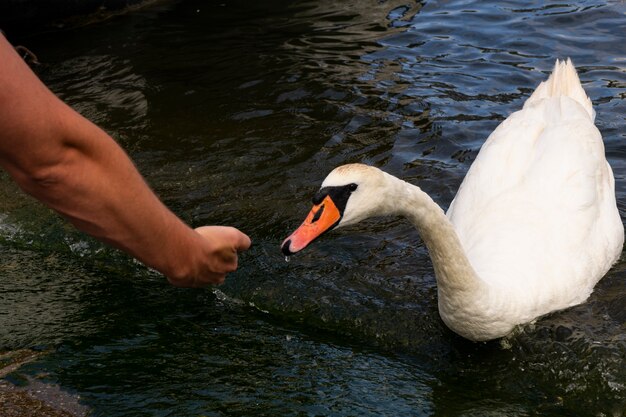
[{"x": 563, "y": 81}]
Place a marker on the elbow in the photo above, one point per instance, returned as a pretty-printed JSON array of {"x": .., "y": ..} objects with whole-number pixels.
[{"x": 39, "y": 180}]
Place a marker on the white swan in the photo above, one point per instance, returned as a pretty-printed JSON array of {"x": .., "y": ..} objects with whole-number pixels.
[{"x": 532, "y": 229}]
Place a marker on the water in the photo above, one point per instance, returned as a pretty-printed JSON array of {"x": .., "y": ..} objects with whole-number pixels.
[{"x": 235, "y": 111}]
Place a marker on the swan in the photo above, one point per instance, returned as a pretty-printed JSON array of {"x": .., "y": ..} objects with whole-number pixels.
[{"x": 533, "y": 227}]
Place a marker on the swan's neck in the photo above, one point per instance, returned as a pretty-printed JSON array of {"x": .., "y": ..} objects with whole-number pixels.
[{"x": 455, "y": 275}]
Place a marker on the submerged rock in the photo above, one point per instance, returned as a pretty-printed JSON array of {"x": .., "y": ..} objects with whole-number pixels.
[{"x": 36, "y": 398}]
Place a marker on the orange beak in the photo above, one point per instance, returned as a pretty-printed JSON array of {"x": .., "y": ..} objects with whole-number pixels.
[{"x": 321, "y": 218}]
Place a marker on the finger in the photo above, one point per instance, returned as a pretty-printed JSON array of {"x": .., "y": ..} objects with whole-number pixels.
[
  {"x": 239, "y": 240},
  {"x": 228, "y": 259},
  {"x": 243, "y": 242}
]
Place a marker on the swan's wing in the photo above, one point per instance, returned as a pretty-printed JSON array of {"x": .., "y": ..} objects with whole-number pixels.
[
  {"x": 537, "y": 207},
  {"x": 554, "y": 140}
]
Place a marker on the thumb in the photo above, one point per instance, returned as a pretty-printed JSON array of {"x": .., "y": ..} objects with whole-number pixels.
[
  {"x": 243, "y": 242},
  {"x": 239, "y": 241}
]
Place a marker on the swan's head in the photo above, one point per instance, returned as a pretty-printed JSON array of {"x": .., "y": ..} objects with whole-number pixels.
[{"x": 349, "y": 194}]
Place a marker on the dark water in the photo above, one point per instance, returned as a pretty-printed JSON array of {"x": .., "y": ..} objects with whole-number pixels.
[{"x": 235, "y": 111}]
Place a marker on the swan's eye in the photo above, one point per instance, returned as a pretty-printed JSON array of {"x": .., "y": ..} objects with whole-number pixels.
[
  {"x": 319, "y": 197},
  {"x": 352, "y": 187}
]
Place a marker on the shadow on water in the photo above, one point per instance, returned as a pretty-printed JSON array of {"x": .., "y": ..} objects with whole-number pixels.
[{"x": 235, "y": 112}]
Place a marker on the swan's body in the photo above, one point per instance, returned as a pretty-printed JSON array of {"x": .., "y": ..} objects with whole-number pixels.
[{"x": 533, "y": 227}]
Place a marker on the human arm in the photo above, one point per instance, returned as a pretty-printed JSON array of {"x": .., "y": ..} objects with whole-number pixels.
[{"x": 74, "y": 167}]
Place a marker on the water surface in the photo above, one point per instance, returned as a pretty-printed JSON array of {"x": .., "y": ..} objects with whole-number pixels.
[{"x": 235, "y": 112}]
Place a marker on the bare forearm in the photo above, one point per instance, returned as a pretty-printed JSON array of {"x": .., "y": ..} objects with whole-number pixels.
[
  {"x": 74, "y": 167},
  {"x": 92, "y": 183},
  {"x": 96, "y": 186}
]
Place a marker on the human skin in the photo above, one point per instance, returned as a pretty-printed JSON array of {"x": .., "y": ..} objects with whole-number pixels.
[{"x": 78, "y": 170}]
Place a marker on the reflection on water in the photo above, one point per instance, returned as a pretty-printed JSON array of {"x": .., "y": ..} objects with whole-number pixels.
[{"x": 235, "y": 112}]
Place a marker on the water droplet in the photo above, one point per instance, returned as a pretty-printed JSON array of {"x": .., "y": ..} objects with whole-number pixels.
[{"x": 286, "y": 258}]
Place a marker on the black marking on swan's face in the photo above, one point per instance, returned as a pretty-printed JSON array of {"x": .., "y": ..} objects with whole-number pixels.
[{"x": 339, "y": 194}]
